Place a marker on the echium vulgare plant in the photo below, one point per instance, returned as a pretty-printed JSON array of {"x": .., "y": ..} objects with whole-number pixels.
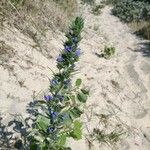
[{"x": 60, "y": 110}]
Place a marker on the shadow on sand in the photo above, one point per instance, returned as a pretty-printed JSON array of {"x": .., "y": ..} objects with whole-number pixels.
[
  {"x": 144, "y": 48},
  {"x": 17, "y": 126}
]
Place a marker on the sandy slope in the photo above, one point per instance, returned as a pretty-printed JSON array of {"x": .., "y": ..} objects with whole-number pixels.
[{"x": 119, "y": 87}]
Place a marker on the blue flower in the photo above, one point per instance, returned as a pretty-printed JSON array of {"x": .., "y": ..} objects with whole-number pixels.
[
  {"x": 54, "y": 82},
  {"x": 60, "y": 97},
  {"x": 60, "y": 58},
  {"x": 54, "y": 115},
  {"x": 68, "y": 48},
  {"x": 48, "y": 97},
  {"x": 50, "y": 129},
  {"x": 66, "y": 82},
  {"x": 78, "y": 52}
]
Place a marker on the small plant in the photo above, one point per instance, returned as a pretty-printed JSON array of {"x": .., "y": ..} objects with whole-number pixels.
[
  {"x": 108, "y": 131},
  {"x": 57, "y": 115},
  {"x": 109, "y": 52},
  {"x": 110, "y": 139}
]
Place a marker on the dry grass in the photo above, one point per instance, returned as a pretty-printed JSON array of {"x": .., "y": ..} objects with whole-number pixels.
[
  {"x": 37, "y": 15},
  {"x": 141, "y": 28},
  {"x": 6, "y": 52}
]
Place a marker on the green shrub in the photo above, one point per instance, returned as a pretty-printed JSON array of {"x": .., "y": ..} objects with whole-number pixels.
[{"x": 132, "y": 10}]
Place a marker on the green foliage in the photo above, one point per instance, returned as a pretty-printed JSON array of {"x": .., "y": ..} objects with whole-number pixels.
[
  {"x": 108, "y": 52},
  {"x": 78, "y": 82},
  {"x": 82, "y": 97},
  {"x": 132, "y": 10},
  {"x": 58, "y": 114},
  {"x": 77, "y": 132}
]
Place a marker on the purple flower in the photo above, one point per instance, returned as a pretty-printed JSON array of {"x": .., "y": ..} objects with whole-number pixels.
[
  {"x": 54, "y": 82},
  {"x": 54, "y": 115},
  {"x": 68, "y": 48},
  {"x": 66, "y": 82},
  {"x": 78, "y": 52},
  {"x": 48, "y": 97},
  {"x": 60, "y": 59}
]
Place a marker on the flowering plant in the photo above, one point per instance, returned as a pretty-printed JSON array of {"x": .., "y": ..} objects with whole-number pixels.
[{"x": 62, "y": 107}]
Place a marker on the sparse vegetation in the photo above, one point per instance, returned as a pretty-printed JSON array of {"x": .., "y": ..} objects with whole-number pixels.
[
  {"x": 108, "y": 132},
  {"x": 37, "y": 16},
  {"x": 88, "y": 1},
  {"x": 6, "y": 52},
  {"x": 110, "y": 139},
  {"x": 107, "y": 53}
]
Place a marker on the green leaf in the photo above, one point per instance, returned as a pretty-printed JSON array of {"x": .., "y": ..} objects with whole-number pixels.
[
  {"x": 85, "y": 91},
  {"x": 82, "y": 97},
  {"x": 75, "y": 113},
  {"x": 62, "y": 140},
  {"x": 42, "y": 123},
  {"x": 77, "y": 132},
  {"x": 78, "y": 82},
  {"x": 33, "y": 146}
]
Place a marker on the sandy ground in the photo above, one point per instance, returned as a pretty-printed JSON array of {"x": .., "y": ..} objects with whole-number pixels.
[{"x": 119, "y": 87}]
